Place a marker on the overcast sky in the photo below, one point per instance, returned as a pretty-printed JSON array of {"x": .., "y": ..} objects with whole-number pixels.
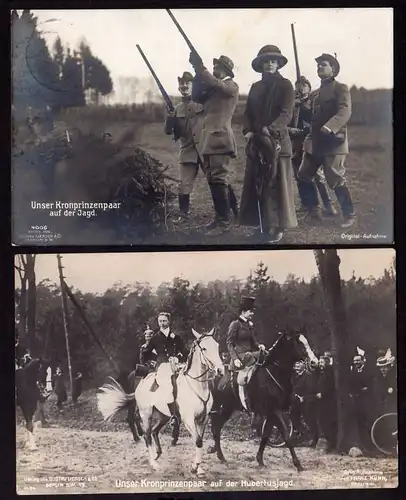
[
  {"x": 98, "y": 272},
  {"x": 362, "y": 39}
]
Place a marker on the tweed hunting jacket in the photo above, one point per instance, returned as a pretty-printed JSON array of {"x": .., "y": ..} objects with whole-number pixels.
[
  {"x": 331, "y": 106},
  {"x": 166, "y": 347},
  {"x": 270, "y": 104},
  {"x": 219, "y": 98},
  {"x": 240, "y": 338},
  {"x": 189, "y": 123}
]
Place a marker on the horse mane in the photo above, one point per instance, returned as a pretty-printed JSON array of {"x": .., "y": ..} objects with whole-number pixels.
[{"x": 190, "y": 355}]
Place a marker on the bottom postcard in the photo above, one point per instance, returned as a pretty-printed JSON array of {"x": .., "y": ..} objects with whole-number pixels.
[{"x": 206, "y": 371}]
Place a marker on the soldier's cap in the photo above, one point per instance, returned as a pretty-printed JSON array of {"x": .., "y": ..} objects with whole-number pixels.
[
  {"x": 247, "y": 303},
  {"x": 332, "y": 60},
  {"x": 166, "y": 314},
  {"x": 227, "y": 64},
  {"x": 186, "y": 77},
  {"x": 265, "y": 54},
  {"x": 304, "y": 81},
  {"x": 148, "y": 330}
]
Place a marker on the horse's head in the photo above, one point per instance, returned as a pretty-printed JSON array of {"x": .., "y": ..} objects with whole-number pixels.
[
  {"x": 207, "y": 349},
  {"x": 290, "y": 346}
]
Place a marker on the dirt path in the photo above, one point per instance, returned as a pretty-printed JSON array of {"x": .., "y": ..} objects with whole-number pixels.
[{"x": 76, "y": 461}]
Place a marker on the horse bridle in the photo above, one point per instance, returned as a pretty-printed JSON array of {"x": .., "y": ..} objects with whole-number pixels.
[{"x": 209, "y": 364}]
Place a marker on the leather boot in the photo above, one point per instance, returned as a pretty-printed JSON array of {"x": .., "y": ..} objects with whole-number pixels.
[
  {"x": 221, "y": 224},
  {"x": 173, "y": 409},
  {"x": 184, "y": 204},
  {"x": 233, "y": 201},
  {"x": 310, "y": 199},
  {"x": 347, "y": 207},
  {"x": 325, "y": 198}
]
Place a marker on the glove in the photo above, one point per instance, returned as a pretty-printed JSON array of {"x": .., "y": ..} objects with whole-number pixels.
[
  {"x": 261, "y": 347},
  {"x": 248, "y": 136},
  {"x": 171, "y": 114},
  {"x": 237, "y": 363},
  {"x": 325, "y": 130},
  {"x": 195, "y": 60},
  {"x": 318, "y": 395},
  {"x": 265, "y": 131}
]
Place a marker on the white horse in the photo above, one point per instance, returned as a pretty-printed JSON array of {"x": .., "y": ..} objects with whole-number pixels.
[{"x": 193, "y": 397}]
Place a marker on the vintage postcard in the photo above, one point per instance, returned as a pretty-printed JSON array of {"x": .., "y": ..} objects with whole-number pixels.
[
  {"x": 138, "y": 127},
  {"x": 206, "y": 371}
]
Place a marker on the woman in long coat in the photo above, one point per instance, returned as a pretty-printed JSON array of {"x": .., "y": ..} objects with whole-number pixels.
[{"x": 269, "y": 174}]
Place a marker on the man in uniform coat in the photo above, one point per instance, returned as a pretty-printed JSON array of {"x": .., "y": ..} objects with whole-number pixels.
[
  {"x": 218, "y": 93},
  {"x": 170, "y": 350},
  {"x": 327, "y": 144},
  {"x": 299, "y": 128},
  {"x": 268, "y": 175},
  {"x": 241, "y": 341},
  {"x": 186, "y": 123}
]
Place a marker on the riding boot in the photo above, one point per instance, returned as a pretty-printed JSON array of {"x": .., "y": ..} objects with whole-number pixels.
[
  {"x": 347, "y": 207},
  {"x": 221, "y": 224},
  {"x": 325, "y": 198},
  {"x": 184, "y": 204},
  {"x": 173, "y": 410},
  {"x": 310, "y": 200},
  {"x": 233, "y": 201}
]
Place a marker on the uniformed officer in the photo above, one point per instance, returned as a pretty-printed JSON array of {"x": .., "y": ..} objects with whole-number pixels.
[
  {"x": 299, "y": 128},
  {"x": 171, "y": 351},
  {"x": 218, "y": 93},
  {"x": 327, "y": 144}
]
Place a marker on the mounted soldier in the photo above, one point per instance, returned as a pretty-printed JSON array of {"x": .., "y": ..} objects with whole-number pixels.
[
  {"x": 242, "y": 344},
  {"x": 299, "y": 128},
  {"x": 327, "y": 143},
  {"x": 218, "y": 93},
  {"x": 171, "y": 351},
  {"x": 267, "y": 198}
]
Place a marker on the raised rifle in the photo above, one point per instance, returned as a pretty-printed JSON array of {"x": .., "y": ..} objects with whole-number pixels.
[
  {"x": 185, "y": 37},
  {"x": 292, "y": 27},
  {"x": 169, "y": 105}
]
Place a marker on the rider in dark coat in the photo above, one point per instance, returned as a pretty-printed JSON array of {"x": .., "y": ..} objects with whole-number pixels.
[{"x": 148, "y": 358}]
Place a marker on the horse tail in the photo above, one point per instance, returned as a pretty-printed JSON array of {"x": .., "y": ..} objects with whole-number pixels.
[{"x": 112, "y": 399}]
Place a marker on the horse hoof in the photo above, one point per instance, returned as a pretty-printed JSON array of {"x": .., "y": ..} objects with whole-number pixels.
[
  {"x": 174, "y": 442},
  {"x": 222, "y": 459},
  {"x": 300, "y": 468},
  {"x": 211, "y": 449},
  {"x": 155, "y": 467},
  {"x": 200, "y": 472}
]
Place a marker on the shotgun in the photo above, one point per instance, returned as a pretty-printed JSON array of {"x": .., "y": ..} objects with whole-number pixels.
[
  {"x": 166, "y": 97},
  {"x": 188, "y": 42},
  {"x": 292, "y": 27}
]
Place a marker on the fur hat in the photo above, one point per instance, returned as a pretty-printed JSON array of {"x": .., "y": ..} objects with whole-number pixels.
[
  {"x": 265, "y": 54},
  {"x": 247, "y": 303},
  {"x": 186, "y": 77},
  {"x": 227, "y": 64},
  {"x": 332, "y": 60}
]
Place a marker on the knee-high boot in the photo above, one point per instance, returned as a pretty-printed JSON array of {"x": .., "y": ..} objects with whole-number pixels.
[
  {"x": 346, "y": 204},
  {"x": 325, "y": 198}
]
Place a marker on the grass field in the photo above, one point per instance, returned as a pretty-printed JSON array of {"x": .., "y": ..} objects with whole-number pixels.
[
  {"x": 77, "y": 444},
  {"x": 370, "y": 179}
]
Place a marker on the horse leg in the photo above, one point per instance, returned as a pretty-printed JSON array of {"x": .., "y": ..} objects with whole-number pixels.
[
  {"x": 175, "y": 430},
  {"x": 265, "y": 433},
  {"x": 283, "y": 428},
  {"x": 131, "y": 421},
  {"x": 155, "y": 434},
  {"x": 28, "y": 415},
  {"x": 42, "y": 413},
  {"x": 146, "y": 419},
  {"x": 198, "y": 432},
  {"x": 217, "y": 423}
]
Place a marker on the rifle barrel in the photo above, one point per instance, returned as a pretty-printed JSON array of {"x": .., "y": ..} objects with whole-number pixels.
[
  {"x": 292, "y": 27},
  {"x": 189, "y": 43}
]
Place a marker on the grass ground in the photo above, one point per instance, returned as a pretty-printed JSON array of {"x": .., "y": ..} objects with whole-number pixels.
[
  {"x": 370, "y": 179},
  {"x": 77, "y": 444}
]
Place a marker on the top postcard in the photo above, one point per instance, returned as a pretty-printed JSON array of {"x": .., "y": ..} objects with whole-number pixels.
[{"x": 141, "y": 127}]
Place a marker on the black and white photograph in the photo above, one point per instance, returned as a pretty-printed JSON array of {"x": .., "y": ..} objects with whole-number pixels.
[
  {"x": 206, "y": 371},
  {"x": 137, "y": 126}
]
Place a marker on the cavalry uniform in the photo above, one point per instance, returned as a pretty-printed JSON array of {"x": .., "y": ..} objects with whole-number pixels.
[
  {"x": 167, "y": 345},
  {"x": 270, "y": 104},
  {"x": 299, "y": 128},
  {"x": 217, "y": 143},
  {"x": 187, "y": 126},
  {"x": 331, "y": 108}
]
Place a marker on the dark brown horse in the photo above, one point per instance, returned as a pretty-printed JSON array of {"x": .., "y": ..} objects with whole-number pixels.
[{"x": 268, "y": 392}]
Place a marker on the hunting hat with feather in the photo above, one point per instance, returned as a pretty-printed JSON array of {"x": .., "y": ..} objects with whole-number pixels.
[
  {"x": 267, "y": 53},
  {"x": 226, "y": 63},
  {"x": 185, "y": 78},
  {"x": 386, "y": 360},
  {"x": 332, "y": 60}
]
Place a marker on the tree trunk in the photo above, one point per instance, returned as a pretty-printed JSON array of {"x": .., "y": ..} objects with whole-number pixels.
[
  {"x": 328, "y": 263},
  {"x": 31, "y": 304}
]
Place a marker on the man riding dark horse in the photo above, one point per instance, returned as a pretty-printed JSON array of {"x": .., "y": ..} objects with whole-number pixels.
[{"x": 242, "y": 345}]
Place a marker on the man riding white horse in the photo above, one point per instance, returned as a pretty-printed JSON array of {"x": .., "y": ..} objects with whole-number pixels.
[
  {"x": 171, "y": 351},
  {"x": 241, "y": 342}
]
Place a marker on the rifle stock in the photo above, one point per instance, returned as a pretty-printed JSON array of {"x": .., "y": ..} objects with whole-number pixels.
[
  {"x": 292, "y": 27},
  {"x": 166, "y": 97}
]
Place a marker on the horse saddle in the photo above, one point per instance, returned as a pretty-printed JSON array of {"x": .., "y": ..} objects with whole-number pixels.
[{"x": 245, "y": 374}]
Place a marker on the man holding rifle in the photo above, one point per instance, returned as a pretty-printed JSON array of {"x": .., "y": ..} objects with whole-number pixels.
[
  {"x": 185, "y": 122},
  {"x": 219, "y": 95}
]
